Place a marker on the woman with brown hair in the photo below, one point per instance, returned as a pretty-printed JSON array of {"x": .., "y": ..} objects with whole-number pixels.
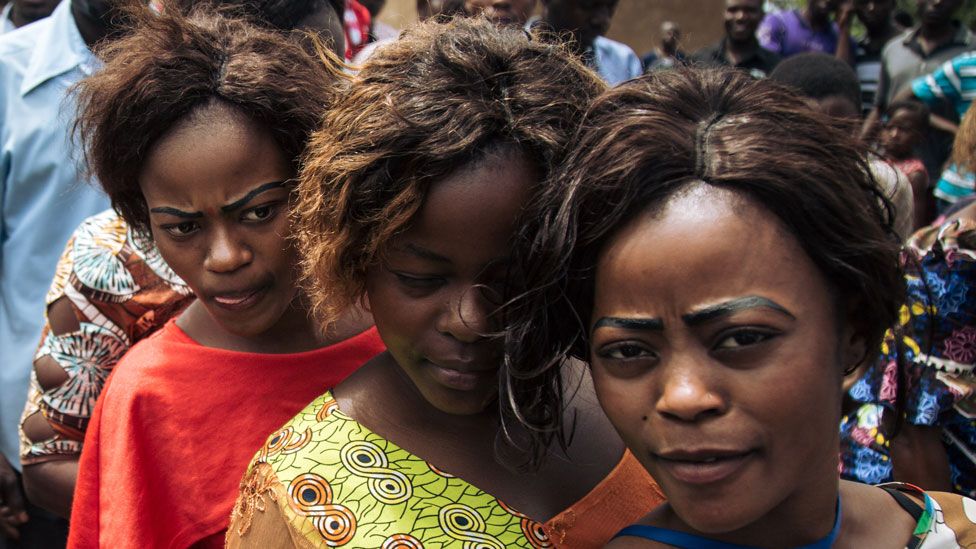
[
  {"x": 194, "y": 128},
  {"x": 409, "y": 200},
  {"x": 719, "y": 255}
]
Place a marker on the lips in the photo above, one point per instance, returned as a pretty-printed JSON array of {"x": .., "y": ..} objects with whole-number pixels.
[
  {"x": 704, "y": 466},
  {"x": 239, "y": 300},
  {"x": 461, "y": 376}
]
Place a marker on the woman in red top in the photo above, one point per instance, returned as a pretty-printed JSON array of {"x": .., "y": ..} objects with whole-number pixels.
[{"x": 195, "y": 128}]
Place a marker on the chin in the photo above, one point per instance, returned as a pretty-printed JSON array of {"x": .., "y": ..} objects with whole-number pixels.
[{"x": 712, "y": 517}]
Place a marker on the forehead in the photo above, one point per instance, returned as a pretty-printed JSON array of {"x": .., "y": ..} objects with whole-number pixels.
[
  {"x": 704, "y": 244},
  {"x": 211, "y": 156},
  {"x": 471, "y": 214}
]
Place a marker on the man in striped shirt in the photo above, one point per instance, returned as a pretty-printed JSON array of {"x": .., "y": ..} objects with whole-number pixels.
[{"x": 954, "y": 83}]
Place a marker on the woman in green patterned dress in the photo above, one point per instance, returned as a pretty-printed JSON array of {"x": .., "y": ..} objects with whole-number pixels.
[{"x": 409, "y": 202}]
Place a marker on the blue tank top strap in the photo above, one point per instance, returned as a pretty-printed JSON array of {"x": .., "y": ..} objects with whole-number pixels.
[{"x": 675, "y": 538}]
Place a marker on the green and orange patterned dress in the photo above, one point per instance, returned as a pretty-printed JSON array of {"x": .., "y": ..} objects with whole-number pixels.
[{"x": 325, "y": 480}]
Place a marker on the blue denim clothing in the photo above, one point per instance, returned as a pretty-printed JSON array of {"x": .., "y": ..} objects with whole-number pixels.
[
  {"x": 43, "y": 195},
  {"x": 614, "y": 61}
]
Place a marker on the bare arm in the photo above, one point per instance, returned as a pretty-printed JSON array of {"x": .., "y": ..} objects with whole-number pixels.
[
  {"x": 845, "y": 15},
  {"x": 51, "y": 484}
]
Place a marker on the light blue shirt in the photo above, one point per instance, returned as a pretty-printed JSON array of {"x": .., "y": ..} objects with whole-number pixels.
[
  {"x": 614, "y": 61},
  {"x": 43, "y": 197}
]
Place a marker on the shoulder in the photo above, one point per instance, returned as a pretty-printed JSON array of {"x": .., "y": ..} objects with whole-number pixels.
[
  {"x": 896, "y": 44},
  {"x": 774, "y": 19},
  {"x": 959, "y": 514},
  {"x": 377, "y": 493},
  {"x": 707, "y": 54},
  {"x": 613, "y": 47},
  {"x": 143, "y": 370},
  {"x": 942, "y": 519}
]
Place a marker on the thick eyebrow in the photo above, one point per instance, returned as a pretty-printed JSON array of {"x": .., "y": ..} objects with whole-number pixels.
[
  {"x": 424, "y": 253},
  {"x": 176, "y": 213},
  {"x": 644, "y": 324},
  {"x": 733, "y": 306},
  {"x": 238, "y": 204}
]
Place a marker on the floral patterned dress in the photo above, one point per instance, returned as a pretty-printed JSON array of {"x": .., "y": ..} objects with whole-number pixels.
[
  {"x": 938, "y": 351},
  {"x": 120, "y": 290}
]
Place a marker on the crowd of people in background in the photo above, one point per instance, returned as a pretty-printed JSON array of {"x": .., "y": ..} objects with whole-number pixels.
[{"x": 274, "y": 273}]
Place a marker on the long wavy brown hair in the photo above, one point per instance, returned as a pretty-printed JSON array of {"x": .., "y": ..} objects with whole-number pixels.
[
  {"x": 442, "y": 96},
  {"x": 644, "y": 141},
  {"x": 169, "y": 65},
  {"x": 964, "y": 146}
]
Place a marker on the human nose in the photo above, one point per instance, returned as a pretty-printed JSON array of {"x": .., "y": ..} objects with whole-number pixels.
[
  {"x": 689, "y": 392},
  {"x": 466, "y": 316},
  {"x": 226, "y": 253}
]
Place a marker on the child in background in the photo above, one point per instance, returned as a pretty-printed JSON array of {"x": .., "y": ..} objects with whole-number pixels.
[{"x": 906, "y": 123}]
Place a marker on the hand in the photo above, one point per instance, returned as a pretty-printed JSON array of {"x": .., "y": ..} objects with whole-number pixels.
[
  {"x": 845, "y": 14},
  {"x": 12, "y": 513}
]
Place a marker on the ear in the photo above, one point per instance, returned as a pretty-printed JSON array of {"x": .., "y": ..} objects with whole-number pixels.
[{"x": 853, "y": 349}]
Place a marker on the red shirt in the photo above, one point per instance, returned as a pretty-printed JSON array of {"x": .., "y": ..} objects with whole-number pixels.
[
  {"x": 356, "y": 23},
  {"x": 175, "y": 428}
]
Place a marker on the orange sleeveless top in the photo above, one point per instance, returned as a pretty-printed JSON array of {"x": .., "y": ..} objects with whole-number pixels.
[{"x": 619, "y": 500}]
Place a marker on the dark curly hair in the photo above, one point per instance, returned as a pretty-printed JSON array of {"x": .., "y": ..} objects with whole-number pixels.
[
  {"x": 171, "y": 64},
  {"x": 648, "y": 139},
  {"x": 274, "y": 14},
  {"x": 441, "y": 97}
]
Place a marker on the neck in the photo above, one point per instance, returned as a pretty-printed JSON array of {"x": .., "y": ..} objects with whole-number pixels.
[
  {"x": 91, "y": 28},
  {"x": 294, "y": 332},
  {"x": 16, "y": 18},
  {"x": 881, "y": 33},
  {"x": 941, "y": 31}
]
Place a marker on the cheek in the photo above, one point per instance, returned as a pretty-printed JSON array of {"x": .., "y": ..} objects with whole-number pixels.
[
  {"x": 401, "y": 321},
  {"x": 625, "y": 401},
  {"x": 186, "y": 260}
]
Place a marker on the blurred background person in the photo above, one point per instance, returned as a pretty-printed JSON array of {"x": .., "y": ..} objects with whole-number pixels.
[
  {"x": 740, "y": 48},
  {"x": 904, "y": 127},
  {"x": 920, "y": 50},
  {"x": 830, "y": 87},
  {"x": 809, "y": 29},
  {"x": 668, "y": 54},
  {"x": 18, "y": 13},
  {"x": 504, "y": 12},
  {"x": 584, "y": 23},
  {"x": 879, "y": 27}
]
